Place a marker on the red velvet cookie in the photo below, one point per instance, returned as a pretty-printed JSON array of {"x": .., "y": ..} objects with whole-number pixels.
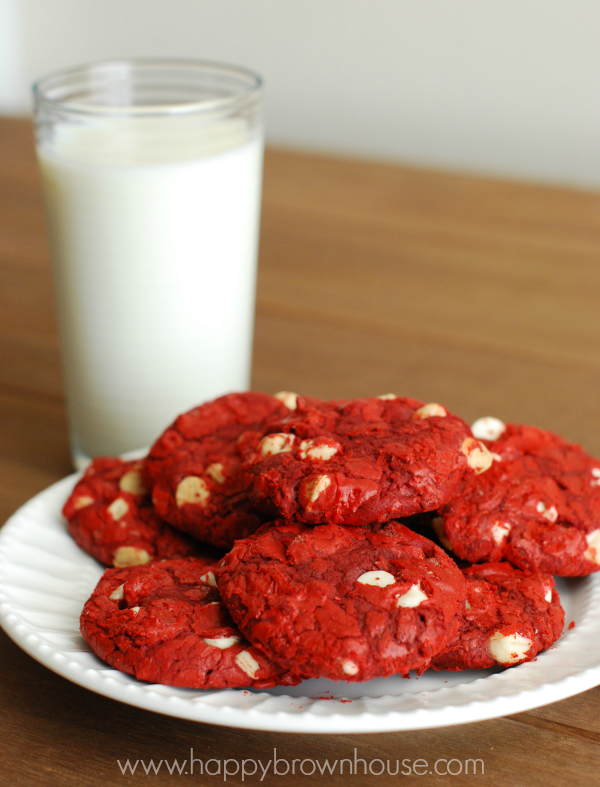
[
  {"x": 193, "y": 468},
  {"x": 362, "y": 461},
  {"x": 110, "y": 515},
  {"x": 347, "y": 603},
  {"x": 538, "y": 506},
  {"x": 510, "y": 616},
  {"x": 165, "y": 623}
]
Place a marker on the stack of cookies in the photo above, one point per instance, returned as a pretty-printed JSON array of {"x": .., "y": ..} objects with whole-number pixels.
[{"x": 269, "y": 539}]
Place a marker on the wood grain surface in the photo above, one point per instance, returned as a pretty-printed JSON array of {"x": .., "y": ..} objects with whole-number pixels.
[{"x": 483, "y": 295}]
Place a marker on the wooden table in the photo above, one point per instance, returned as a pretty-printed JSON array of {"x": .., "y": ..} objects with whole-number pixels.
[{"x": 480, "y": 294}]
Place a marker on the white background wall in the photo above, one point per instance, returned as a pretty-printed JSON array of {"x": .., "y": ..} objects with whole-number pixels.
[{"x": 509, "y": 87}]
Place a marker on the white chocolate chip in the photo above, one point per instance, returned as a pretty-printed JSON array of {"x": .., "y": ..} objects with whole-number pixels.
[
  {"x": 429, "y": 411},
  {"x": 380, "y": 579},
  {"x": 192, "y": 490},
  {"x": 118, "y": 508},
  {"x": 500, "y": 531},
  {"x": 488, "y": 428},
  {"x": 304, "y": 446},
  {"x": 467, "y": 605},
  {"x": 478, "y": 456},
  {"x": 316, "y": 487},
  {"x": 117, "y": 593},
  {"x": 83, "y": 502},
  {"x": 387, "y": 397},
  {"x": 308, "y": 450},
  {"x": 273, "y": 444},
  {"x": 548, "y": 595},
  {"x": 349, "y": 667},
  {"x": 209, "y": 579},
  {"x": 135, "y": 610},
  {"x": 412, "y": 598},
  {"x": 130, "y": 556},
  {"x": 440, "y": 530},
  {"x": 215, "y": 471},
  {"x": 508, "y": 648},
  {"x": 222, "y": 642},
  {"x": 288, "y": 398},
  {"x": 324, "y": 452},
  {"x": 551, "y": 514},
  {"x": 596, "y": 479},
  {"x": 132, "y": 482},
  {"x": 247, "y": 663},
  {"x": 593, "y": 551}
]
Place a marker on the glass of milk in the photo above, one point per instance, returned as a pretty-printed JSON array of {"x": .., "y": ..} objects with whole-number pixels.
[{"x": 152, "y": 177}]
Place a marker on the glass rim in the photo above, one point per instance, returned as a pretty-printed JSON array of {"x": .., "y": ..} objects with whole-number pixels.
[{"x": 59, "y": 78}]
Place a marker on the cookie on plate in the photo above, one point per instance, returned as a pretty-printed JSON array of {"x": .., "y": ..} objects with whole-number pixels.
[
  {"x": 165, "y": 623},
  {"x": 538, "y": 506},
  {"x": 110, "y": 515},
  {"x": 362, "y": 461},
  {"x": 509, "y": 617},
  {"x": 193, "y": 468},
  {"x": 347, "y": 603}
]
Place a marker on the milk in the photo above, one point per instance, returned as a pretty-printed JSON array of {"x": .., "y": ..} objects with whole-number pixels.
[{"x": 153, "y": 228}]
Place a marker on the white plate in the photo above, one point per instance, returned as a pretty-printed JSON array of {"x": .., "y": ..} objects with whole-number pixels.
[{"x": 45, "y": 580}]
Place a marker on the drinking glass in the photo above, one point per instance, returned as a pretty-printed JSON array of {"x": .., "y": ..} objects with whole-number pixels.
[{"x": 152, "y": 173}]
